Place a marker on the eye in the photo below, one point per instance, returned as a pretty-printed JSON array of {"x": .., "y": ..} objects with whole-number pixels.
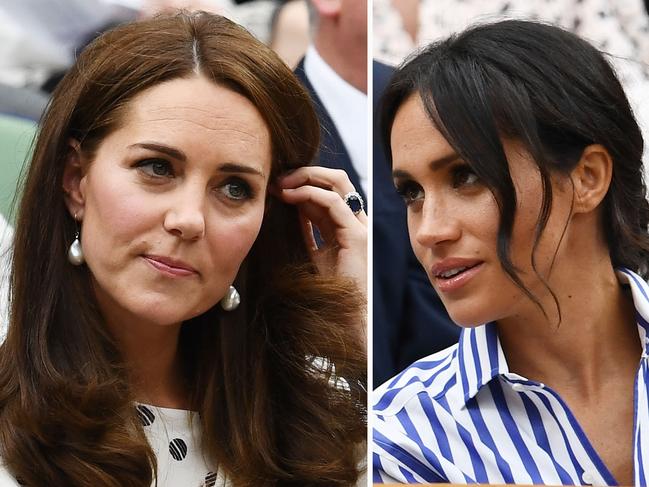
[
  {"x": 237, "y": 189},
  {"x": 463, "y": 175},
  {"x": 156, "y": 167},
  {"x": 410, "y": 192}
]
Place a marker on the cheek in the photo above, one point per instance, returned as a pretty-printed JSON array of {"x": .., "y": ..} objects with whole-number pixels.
[
  {"x": 481, "y": 223},
  {"x": 524, "y": 249},
  {"x": 522, "y": 240},
  {"x": 230, "y": 238},
  {"x": 113, "y": 218}
]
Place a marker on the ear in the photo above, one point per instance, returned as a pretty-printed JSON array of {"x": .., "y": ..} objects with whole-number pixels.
[
  {"x": 591, "y": 178},
  {"x": 74, "y": 180},
  {"x": 327, "y": 8}
]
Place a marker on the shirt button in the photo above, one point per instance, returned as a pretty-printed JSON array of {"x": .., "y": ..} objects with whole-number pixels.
[
  {"x": 518, "y": 387},
  {"x": 587, "y": 478}
]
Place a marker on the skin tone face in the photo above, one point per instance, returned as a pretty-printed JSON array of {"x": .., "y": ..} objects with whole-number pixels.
[
  {"x": 172, "y": 201},
  {"x": 453, "y": 221}
]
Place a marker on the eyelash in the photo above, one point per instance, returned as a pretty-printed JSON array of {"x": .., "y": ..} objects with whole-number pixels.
[
  {"x": 150, "y": 163},
  {"x": 461, "y": 175},
  {"x": 407, "y": 189},
  {"x": 249, "y": 193},
  {"x": 149, "y": 166}
]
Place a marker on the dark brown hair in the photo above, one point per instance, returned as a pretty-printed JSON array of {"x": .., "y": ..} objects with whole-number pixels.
[
  {"x": 548, "y": 89},
  {"x": 265, "y": 379}
]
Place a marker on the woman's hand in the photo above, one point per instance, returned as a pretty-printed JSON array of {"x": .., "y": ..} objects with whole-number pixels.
[{"x": 318, "y": 193}]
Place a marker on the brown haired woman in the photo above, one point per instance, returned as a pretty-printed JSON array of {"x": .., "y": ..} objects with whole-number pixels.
[{"x": 168, "y": 167}]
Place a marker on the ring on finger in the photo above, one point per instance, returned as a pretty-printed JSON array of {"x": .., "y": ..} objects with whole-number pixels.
[{"x": 354, "y": 201}]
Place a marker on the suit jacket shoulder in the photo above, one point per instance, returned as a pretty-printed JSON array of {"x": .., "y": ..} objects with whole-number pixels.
[{"x": 332, "y": 151}]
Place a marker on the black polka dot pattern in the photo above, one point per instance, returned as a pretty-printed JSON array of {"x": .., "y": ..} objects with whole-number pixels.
[
  {"x": 210, "y": 480},
  {"x": 145, "y": 414},
  {"x": 178, "y": 449}
]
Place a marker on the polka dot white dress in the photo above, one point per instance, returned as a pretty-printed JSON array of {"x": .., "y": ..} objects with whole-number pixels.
[{"x": 175, "y": 436}]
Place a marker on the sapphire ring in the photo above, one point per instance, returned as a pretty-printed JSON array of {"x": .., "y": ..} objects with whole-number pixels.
[{"x": 354, "y": 201}]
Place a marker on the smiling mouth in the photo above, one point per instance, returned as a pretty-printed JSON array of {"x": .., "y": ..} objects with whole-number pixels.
[
  {"x": 454, "y": 272},
  {"x": 452, "y": 279}
]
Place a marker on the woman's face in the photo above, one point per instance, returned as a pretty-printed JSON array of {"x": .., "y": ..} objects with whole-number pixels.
[
  {"x": 453, "y": 221},
  {"x": 172, "y": 201}
]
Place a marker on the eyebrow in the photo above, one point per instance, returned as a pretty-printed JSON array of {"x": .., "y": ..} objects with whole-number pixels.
[
  {"x": 231, "y": 167},
  {"x": 435, "y": 165},
  {"x": 165, "y": 149},
  {"x": 228, "y": 167}
]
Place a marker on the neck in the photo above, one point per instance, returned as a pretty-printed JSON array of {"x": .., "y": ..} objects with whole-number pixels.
[
  {"x": 150, "y": 352},
  {"x": 595, "y": 341},
  {"x": 346, "y": 57}
]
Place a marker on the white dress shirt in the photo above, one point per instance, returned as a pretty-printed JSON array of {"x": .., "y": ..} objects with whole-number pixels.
[{"x": 347, "y": 107}]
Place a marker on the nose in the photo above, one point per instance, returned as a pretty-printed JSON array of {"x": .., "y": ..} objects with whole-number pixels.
[
  {"x": 435, "y": 224},
  {"x": 185, "y": 217}
]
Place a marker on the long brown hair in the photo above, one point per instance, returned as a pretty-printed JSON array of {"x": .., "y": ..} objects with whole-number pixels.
[{"x": 278, "y": 383}]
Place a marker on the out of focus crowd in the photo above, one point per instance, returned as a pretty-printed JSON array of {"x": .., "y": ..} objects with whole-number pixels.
[{"x": 40, "y": 38}]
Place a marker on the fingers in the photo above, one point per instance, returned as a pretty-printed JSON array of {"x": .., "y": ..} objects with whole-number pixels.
[
  {"x": 326, "y": 209},
  {"x": 318, "y": 193},
  {"x": 322, "y": 177},
  {"x": 335, "y": 181},
  {"x": 307, "y": 232}
]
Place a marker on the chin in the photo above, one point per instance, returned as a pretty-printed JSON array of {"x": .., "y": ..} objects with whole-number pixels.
[
  {"x": 465, "y": 317},
  {"x": 160, "y": 314}
]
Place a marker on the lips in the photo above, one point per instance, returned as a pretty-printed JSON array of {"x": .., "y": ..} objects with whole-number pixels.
[
  {"x": 453, "y": 273},
  {"x": 170, "y": 266}
]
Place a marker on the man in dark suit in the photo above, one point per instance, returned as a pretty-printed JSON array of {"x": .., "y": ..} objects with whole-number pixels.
[
  {"x": 409, "y": 319},
  {"x": 334, "y": 71}
]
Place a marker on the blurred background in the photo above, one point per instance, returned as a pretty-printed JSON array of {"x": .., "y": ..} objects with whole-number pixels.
[{"x": 39, "y": 38}]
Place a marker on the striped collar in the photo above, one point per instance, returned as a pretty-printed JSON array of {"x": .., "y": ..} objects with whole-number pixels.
[{"x": 481, "y": 357}]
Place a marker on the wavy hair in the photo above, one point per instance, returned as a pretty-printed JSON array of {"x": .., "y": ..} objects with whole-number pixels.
[
  {"x": 548, "y": 89},
  {"x": 270, "y": 413}
]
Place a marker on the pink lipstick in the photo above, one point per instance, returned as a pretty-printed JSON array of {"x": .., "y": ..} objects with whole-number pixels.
[
  {"x": 453, "y": 273},
  {"x": 170, "y": 267}
]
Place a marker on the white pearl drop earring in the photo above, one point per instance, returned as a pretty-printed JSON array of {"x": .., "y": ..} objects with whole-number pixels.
[
  {"x": 231, "y": 299},
  {"x": 75, "y": 252}
]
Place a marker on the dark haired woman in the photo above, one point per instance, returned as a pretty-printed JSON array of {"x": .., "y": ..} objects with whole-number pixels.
[
  {"x": 169, "y": 324},
  {"x": 519, "y": 160}
]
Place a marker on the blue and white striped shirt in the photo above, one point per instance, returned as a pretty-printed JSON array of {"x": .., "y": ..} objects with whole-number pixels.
[{"x": 460, "y": 416}]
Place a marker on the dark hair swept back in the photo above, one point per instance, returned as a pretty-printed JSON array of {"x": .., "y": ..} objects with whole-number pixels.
[
  {"x": 548, "y": 89},
  {"x": 269, "y": 415}
]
